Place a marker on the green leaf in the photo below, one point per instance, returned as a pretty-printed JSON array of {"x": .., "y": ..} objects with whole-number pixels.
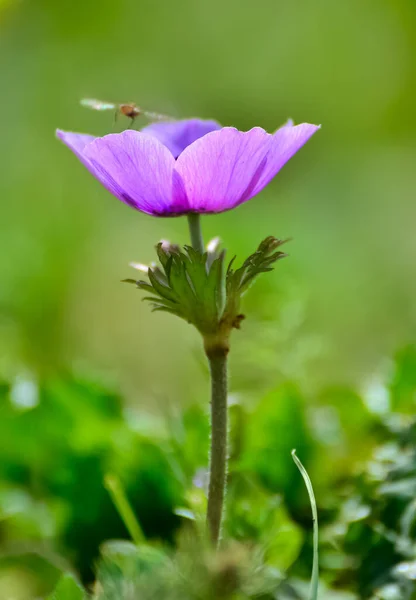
[
  {"x": 195, "y": 256},
  {"x": 259, "y": 262},
  {"x": 68, "y": 589},
  {"x": 143, "y": 285},
  {"x": 163, "y": 290},
  {"x": 197, "y": 290},
  {"x": 163, "y": 255}
]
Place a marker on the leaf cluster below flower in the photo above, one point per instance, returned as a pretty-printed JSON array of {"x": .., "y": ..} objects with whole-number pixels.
[{"x": 195, "y": 287}]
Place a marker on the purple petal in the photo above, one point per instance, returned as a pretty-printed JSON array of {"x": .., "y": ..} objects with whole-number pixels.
[
  {"x": 286, "y": 141},
  {"x": 178, "y": 135},
  {"x": 216, "y": 172},
  {"x": 135, "y": 167},
  {"x": 218, "y": 169},
  {"x": 77, "y": 142},
  {"x": 141, "y": 167},
  {"x": 228, "y": 167}
]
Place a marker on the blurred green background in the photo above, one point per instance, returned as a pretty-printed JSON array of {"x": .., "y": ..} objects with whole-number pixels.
[{"x": 334, "y": 312}]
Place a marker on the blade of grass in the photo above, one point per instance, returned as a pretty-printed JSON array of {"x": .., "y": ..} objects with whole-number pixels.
[
  {"x": 115, "y": 489},
  {"x": 313, "y": 593}
]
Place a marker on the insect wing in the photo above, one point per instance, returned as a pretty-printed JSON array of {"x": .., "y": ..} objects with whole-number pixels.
[
  {"x": 152, "y": 116},
  {"x": 97, "y": 104}
]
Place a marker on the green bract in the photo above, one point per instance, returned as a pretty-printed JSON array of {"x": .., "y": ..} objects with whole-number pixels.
[{"x": 193, "y": 286}]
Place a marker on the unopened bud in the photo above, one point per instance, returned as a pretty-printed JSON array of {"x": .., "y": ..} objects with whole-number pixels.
[
  {"x": 139, "y": 267},
  {"x": 212, "y": 245},
  {"x": 167, "y": 246}
]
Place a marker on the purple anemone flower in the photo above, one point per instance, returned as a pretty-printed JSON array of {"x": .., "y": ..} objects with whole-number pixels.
[{"x": 191, "y": 166}]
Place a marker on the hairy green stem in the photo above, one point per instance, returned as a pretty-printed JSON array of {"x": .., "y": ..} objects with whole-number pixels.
[
  {"x": 217, "y": 358},
  {"x": 194, "y": 222},
  {"x": 219, "y": 443}
]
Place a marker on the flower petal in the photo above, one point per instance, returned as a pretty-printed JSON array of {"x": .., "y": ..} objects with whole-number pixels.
[
  {"x": 177, "y": 135},
  {"x": 285, "y": 142},
  {"x": 140, "y": 169},
  {"x": 77, "y": 142},
  {"x": 228, "y": 167},
  {"x": 219, "y": 169}
]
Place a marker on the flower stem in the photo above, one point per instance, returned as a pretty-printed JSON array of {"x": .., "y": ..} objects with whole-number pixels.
[
  {"x": 197, "y": 241},
  {"x": 219, "y": 434},
  {"x": 217, "y": 358}
]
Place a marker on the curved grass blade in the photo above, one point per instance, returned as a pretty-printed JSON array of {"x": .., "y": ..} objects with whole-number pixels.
[
  {"x": 313, "y": 592},
  {"x": 124, "y": 509}
]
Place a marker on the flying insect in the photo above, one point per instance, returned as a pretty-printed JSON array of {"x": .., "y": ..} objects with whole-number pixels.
[{"x": 129, "y": 110}]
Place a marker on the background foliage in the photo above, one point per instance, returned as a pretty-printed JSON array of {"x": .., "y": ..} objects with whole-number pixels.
[{"x": 92, "y": 384}]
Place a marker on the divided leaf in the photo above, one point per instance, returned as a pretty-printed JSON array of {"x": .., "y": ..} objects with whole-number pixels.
[
  {"x": 194, "y": 287},
  {"x": 259, "y": 262},
  {"x": 239, "y": 280}
]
